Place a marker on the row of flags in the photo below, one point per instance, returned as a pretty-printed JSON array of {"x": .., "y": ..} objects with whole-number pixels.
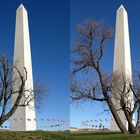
[
  {"x": 43, "y": 123},
  {"x": 95, "y": 123},
  {"x": 100, "y": 120},
  {"x": 40, "y": 127},
  {"x": 41, "y": 119},
  {"x": 94, "y": 126}
]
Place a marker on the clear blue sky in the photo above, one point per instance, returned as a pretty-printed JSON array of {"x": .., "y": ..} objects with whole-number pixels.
[
  {"x": 49, "y": 34},
  {"x": 104, "y": 10}
]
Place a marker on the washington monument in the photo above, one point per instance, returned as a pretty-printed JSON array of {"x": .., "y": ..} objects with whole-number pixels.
[
  {"x": 24, "y": 117},
  {"x": 122, "y": 59}
]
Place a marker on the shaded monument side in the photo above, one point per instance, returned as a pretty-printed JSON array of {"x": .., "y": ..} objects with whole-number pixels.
[
  {"x": 122, "y": 61},
  {"x": 24, "y": 117}
]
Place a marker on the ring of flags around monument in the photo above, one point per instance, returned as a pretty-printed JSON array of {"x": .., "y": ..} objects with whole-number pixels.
[{"x": 43, "y": 123}]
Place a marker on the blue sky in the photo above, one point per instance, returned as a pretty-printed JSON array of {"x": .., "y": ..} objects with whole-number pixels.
[
  {"x": 105, "y": 10},
  {"x": 49, "y": 35}
]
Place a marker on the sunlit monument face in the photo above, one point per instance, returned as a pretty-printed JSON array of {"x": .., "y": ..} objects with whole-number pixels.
[
  {"x": 122, "y": 59},
  {"x": 24, "y": 117}
]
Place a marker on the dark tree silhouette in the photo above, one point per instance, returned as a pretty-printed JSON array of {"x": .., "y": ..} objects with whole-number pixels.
[
  {"x": 7, "y": 89},
  {"x": 87, "y": 55}
]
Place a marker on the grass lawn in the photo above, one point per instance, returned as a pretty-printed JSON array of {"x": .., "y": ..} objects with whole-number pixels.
[
  {"x": 35, "y": 135},
  {"x": 43, "y": 135},
  {"x": 102, "y": 136}
]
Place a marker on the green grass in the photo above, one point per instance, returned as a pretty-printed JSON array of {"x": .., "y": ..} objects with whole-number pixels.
[
  {"x": 102, "y": 136},
  {"x": 43, "y": 135},
  {"x": 36, "y": 135}
]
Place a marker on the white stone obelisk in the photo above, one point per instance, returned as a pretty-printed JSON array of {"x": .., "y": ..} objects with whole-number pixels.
[
  {"x": 122, "y": 59},
  {"x": 24, "y": 117}
]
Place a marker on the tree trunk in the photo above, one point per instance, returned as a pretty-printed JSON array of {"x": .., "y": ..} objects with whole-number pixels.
[
  {"x": 116, "y": 116},
  {"x": 137, "y": 131},
  {"x": 129, "y": 117},
  {"x": 111, "y": 104}
]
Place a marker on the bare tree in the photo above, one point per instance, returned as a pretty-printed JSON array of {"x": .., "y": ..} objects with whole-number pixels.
[
  {"x": 7, "y": 89},
  {"x": 135, "y": 88},
  {"x": 87, "y": 57}
]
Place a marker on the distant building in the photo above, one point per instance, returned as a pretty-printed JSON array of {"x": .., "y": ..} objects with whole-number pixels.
[
  {"x": 89, "y": 129},
  {"x": 92, "y": 129},
  {"x": 74, "y": 129}
]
